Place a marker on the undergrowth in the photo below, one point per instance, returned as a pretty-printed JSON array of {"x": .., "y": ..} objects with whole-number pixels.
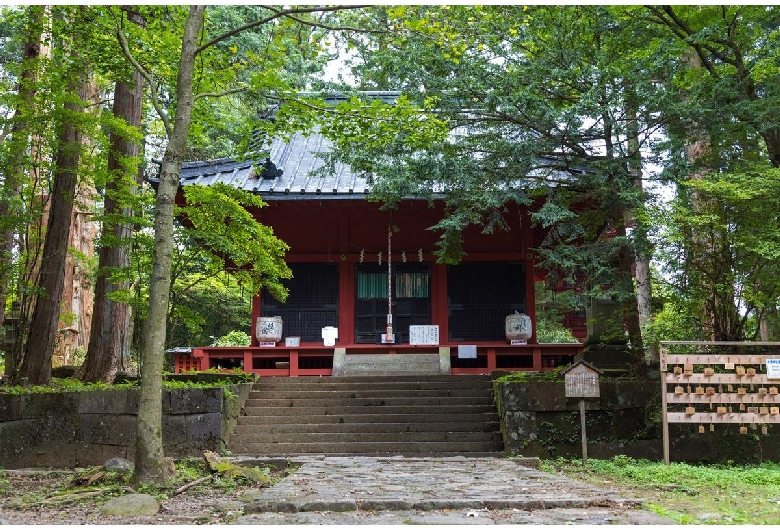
[
  {"x": 95, "y": 485},
  {"x": 687, "y": 493},
  {"x": 68, "y": 384}
]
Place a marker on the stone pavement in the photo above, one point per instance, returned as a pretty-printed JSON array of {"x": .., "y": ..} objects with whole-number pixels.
[{"x": 434, "y": 490}]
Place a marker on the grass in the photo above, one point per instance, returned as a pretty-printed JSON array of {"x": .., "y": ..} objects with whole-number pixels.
[
  {"x": 688, "y": 494},
  {"x": 70, "y": 384}
]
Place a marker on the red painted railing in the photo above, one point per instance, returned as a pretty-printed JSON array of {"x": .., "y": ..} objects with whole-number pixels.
[{"x": 317, "y": 360}]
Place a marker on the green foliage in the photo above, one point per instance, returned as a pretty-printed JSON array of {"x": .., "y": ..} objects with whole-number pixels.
[
  {"x": 63, "y": 385},
  {"x": 234, "y": 338},
  {"x": 549, "y": 376},
  {"x": 222, "y": 258},
  {"x": 59, "y": 385},
  {"x": 550, "y": 309},
  {"x": 199, "y": 287},
  {"x": 727, "y": 212},
  {"x": 526, "y": 93},
  {"x": 223, "y": 223},
  {"x": 684, "y": 492}
]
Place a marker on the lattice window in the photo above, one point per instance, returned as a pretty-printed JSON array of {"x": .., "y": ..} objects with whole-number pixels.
[
  {"x": 313, "y": 302},
  {"x": 411, "y": 285},
  {"x": 372, "y": 285},
  {"x": 481, "y": 295},
  {"x": 411, "y": 300}
]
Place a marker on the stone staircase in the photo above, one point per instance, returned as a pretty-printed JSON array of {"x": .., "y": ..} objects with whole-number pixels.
[{"x": 371, "y": 415}]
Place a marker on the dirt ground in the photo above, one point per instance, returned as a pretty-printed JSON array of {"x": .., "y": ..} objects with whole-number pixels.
[{"x": 50, "y": 497}]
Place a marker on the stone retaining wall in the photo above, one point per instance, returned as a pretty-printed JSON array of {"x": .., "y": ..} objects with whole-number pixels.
[
  {"x": 538, "y": 420},
  {"x": 76, "y": 429}
]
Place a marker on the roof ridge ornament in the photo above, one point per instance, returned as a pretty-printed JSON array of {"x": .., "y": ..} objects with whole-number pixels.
[{"x": 270, "y": 171}]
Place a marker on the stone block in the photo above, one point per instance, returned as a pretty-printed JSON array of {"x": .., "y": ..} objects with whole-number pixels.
[
  {"x": 132, "y": 401},
  {"x": 10, "y": 407},
  {"x": 60, "y": 404},
  {"x": 174, "y": 428},
  {"x": 103, "y": 402},
  {"x": 97, "y": 454},
  {"x": 617, "y": 395},
  {"x": 109, "y": 429},
  {"x": 388, "y": 364},
  {"x": 26, "y": 443},
  {"x": 195, "y": 400},
  {"x": 534, "y": 396},
  {"x": 13, "y": 437},
  {"x": 204, "y": 427},
  {"x": 61, "y": 455}
]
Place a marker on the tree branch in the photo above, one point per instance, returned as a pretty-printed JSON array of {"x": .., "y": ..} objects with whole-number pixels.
[
  {"x": 148, "y": 77},
  {"x": 187, "y": 486},
  {"x": 196, "y": 97},
  {"x": 669, "y": 18},
  {"x": 276, "y": 14},
  {"x": 328, "y": 27}
]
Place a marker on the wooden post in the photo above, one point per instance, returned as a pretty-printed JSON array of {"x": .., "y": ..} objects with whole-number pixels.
[
  {"x": 584, "y": 435},
  {"x": 665, "y": 421}
]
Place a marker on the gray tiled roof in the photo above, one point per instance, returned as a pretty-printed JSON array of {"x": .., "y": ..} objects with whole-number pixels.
[
  {"x": 297, "y": 160},
  {"x": 296, "y": 178}
]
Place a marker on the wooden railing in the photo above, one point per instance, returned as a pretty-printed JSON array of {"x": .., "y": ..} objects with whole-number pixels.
[{"x": 317, "y": 360}]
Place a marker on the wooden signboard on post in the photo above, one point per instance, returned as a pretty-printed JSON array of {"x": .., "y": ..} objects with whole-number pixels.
[{"x": 582, "y": 381}]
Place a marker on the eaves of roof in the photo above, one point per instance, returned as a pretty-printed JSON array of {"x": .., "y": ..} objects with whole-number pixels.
[{"x": 292, "y": 175}]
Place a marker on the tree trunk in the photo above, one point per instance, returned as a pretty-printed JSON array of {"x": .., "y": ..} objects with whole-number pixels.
[
  {"x": 149, "y": 456},
  {"x": 9, "y": 210},
  {"x": 629, "y": 305},
  {"x": 625, "y": 264},
  {"x": 78, "y": 288},
  {"x": 36, "y": 365},
  {"x": 109, "y": 340},
  {"x": 642, "y": 249}
]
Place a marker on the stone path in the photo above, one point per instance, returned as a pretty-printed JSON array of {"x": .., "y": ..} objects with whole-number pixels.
[{"x": 434, "y": 490}]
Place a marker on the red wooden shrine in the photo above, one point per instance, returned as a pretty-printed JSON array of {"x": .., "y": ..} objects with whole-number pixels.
[{"x": 339, "y": 248}]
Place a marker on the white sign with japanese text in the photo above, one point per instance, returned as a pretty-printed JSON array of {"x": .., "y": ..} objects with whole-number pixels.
[{"x": 773, "y": 368}]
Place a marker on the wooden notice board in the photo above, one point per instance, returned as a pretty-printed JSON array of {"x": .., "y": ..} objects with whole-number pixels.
[
  {"x": 582, "y": 380},
  {"x": 720, "y": 383}
]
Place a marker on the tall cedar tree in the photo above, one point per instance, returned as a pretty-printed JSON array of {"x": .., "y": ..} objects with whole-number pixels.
[{"x": 36, "y": 365}]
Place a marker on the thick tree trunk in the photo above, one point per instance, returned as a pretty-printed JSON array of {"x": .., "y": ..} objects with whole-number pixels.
[
  {"x": 36, "y": 365},
  {"x": 149, "y": 455},
  {"x": 78, "y": 288},
  {"x": 109, "y": 341},
  {"x": 15, "y": 168}
]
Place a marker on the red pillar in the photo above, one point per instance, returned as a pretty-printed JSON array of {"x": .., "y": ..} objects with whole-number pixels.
[
  {"x": 439, "y": 300},
  {"x": 346, "y": 303},
  {"x": 530, "y": 287},
  {"x": 256, "y": 304}
]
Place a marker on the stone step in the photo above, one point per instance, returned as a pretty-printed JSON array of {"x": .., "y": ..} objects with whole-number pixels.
[
  {"x": 327, "y": 401},
  {"x": 399, "y": 448},
  {"x": 378, "y": 384},
  {"x": 373, "y": 378},
  {"x": 367, "y": 417},
  {"x": 429, "y": 414},
  {"x": 243, "y": 428},
  {"x": 342, "y": 410},
  {"x": 306, "y": 393},
  {"x": 242, "y": 440},
  {"x": 394, "y": 365}
]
